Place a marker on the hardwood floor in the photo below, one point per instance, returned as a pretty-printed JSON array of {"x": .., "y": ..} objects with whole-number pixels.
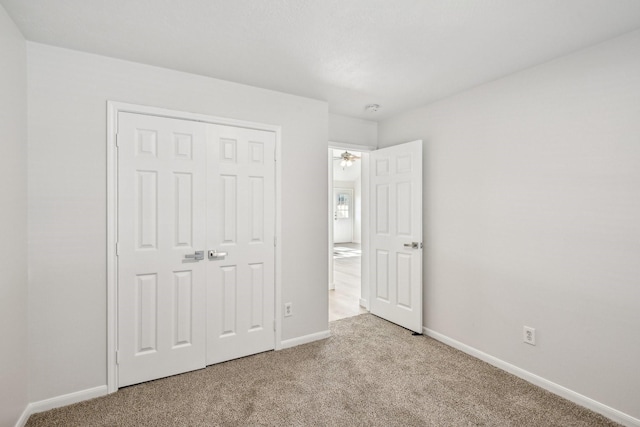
[{"x": 344, "y": 300}]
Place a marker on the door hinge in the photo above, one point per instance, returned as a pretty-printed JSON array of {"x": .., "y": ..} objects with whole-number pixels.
[
  {"x": 117, "y": 142},
  {"x": 274, "y": 325},
  {"x": 275, "y": 241},
  {"x": 117, "y": 357},
  {"x": 117, "y": 248}
]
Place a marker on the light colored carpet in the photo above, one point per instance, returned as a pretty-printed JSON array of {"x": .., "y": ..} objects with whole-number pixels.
[{"x": 370, "y": 372}]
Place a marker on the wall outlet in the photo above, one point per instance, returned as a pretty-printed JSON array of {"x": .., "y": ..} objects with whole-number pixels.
[
  {"x": 288, "y": 311},
  {"x": 529, "y": 335}
]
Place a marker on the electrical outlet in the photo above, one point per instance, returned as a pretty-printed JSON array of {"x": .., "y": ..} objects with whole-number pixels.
[
  {"x": 529, "y": 335},
  {"x": 288, "y": 311}
]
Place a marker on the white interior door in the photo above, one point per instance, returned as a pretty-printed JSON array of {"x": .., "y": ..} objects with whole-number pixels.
[
  {"x": 343, "y": 215},
  {"x": 396, "y": 234},
  {"x": 241, "y": 218},
  {"x": 161, "y": 221},
  {"x": 189, "y": 190}
]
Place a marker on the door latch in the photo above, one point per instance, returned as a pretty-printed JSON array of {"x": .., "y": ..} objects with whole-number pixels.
[
  {"x": 197, "y": 256},
  {"x": 413, "y": 245},
  {"x": 216, "y": 255}
]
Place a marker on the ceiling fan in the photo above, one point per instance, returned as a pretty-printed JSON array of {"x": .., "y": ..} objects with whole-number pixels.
[{"x": 346, "y": 159}]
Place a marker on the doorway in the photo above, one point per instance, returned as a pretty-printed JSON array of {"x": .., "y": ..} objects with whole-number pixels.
[
  {"x": 345, "y": 290},
  {"x": 391, "y": 231}
]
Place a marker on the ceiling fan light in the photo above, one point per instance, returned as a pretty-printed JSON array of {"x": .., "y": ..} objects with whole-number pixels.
[
  {"x": 349, "y": 163},
  {"x": 343, "y": 163}
]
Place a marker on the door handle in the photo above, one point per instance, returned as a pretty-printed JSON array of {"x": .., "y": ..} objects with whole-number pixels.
[
  {"x": 216, "y": 255},
  {"x": 413, "y": 245},
  {"x": 197, "y": 256}
]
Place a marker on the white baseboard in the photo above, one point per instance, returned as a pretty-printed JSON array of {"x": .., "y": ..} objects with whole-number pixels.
[
  {"x": 587, "y": 402},
  {"x": 23, "y": 418},
  {"x": 364, "y": 303},
  {"x": 58, "y": 401},
  {"x": 305, "y": 339},
  {"x": 607, "y": 411}
]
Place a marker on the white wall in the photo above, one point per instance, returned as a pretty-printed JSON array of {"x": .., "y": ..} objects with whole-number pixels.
[
  {"x": 68, "y": 92},
  {"x": 343, "y": 184},
  {"x": 13, "y": 223},
  {"x": 348, "y": 130},
  {"x": 532, "y": 217}
]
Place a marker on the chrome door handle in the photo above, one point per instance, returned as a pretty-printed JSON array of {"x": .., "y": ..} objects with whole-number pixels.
[
  {"x": 413, "y": 245},
  {"x": 197, "y": 256},
  {"x": 216, "y": 254}
]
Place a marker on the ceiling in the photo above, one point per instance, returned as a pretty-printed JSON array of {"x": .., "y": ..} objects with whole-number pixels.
[{"x": 396, "y": 53}]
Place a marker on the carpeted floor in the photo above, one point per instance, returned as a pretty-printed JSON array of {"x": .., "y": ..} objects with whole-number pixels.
[{"x": 369, "y": 372}]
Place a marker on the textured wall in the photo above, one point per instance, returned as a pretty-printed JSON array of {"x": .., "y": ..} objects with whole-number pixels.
[
  {"x": 13, "y": 223},
  {"x": 353, "y": 131},
  {"x": 68, "y": 93},
  {"x": 531, "y": 215}
]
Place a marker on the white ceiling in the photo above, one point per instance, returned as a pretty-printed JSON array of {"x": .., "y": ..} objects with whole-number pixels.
[{"x": 397, "y": 53}]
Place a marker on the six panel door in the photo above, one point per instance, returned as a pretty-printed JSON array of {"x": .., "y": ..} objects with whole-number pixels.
[
  {"x": 396, "y": 234},
  {"x": 184, "y": 187},
  {"x": 161, "y": 220},
  {"x": 241, "y": 223}
]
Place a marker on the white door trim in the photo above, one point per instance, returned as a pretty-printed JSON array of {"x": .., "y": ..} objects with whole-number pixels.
[
  {"x": 330, "y": 215},
  {"x": 113, "y": 108},
  {"x": 352, "y": 147}
]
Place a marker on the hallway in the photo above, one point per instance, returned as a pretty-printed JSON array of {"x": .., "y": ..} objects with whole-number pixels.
[{"x": 344, "y": 300}]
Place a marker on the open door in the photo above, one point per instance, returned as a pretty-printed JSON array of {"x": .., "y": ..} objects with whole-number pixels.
[{"x": 396, "y": 234}]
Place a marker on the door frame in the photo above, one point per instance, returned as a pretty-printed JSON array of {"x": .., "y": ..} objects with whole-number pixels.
[
  {"x": 365, "y": 150},
  {"x": 113, "y": 109}
]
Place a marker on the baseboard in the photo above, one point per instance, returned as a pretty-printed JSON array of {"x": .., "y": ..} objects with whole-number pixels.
[
  {"x": 305, "y": 339},
  {"x": 607, "y": 411},
  {"x": 22, "y": 421},
  {"x": 58, "y": 401},
  {"x": 364, "y": 303},
  {"x": 587, "y": 402}
]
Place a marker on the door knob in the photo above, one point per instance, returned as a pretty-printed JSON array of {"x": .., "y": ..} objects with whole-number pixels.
[{"x": 413, "y": 245}]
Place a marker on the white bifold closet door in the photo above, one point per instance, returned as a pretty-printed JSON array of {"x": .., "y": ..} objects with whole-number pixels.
[{"x": 187, "y": 193}]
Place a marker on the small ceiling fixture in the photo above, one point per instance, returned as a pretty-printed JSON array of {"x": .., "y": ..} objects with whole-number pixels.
[
  {"x": 346, "y": 159},
  {"x": 372, "y": 108}
]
